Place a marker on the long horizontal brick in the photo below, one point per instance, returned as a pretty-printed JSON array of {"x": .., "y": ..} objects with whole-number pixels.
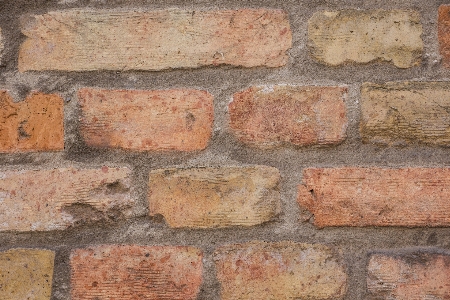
[
  {"x": 362, "y": 36},
  {"x": 444, "y": 33},
  {"x": 146, "y": 120},
  {"x": 409, "y": 197},
  {"x": 406, "y": 112},
  {"x": 410, "y": 276},
  {"x": 40, "y": 200},
  {"x": 273, "y": 116},
  {"x": 36, "y": 124},
  {"x": 215, "y": 197},
  {"x": 136, "y": 272},
  {"x": 83, "y": 40},
  {"x": 26, "y": 274},
  {"x": 283, "y": 270}
]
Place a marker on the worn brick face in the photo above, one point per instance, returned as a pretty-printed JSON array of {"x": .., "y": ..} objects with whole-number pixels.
[
  {"x": 82, "y": 40},
  {"x": 377, "y": 197},
  {"x": 215, "y": 197},
  {"x": 410, "y": 276},
  {"x": 36, "y": 124},
  {"x": 283, "y": 270},
  {"x": 26, "y": 274},
  {"x": 2, "y": 45},
  {"x": 40, "y": 200},
  {"x": 400, "y": 113},
  {"x": 272, "y": 116},
  {"x": 146, "y": 120},
  {"x": 444, "y": 33},
  {"x": 362, "y": 36},
  {"x": 136, "y": 272}
]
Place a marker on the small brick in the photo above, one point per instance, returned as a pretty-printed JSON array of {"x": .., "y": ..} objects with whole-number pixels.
[
  {"x": 410, "y": 276},
  {"x": 36, "y": 124},
  {"x": 268, "y": 117},
  {"x": 283, "y": 270},
  {"x": 362, "y": 36},
  {"x": 26, "y": 274},
  {"x": 407, "y": 112},
  {"x": 146, "y": 120},
  {"x": 409, "y": 197},
  {"x": 136, "y": 272},
  {"x": 444, "y": 33},
  {"x": 215, "y": 197},
  {"x": 83, "y": 40},
  {"x": 41, "y": 200}
]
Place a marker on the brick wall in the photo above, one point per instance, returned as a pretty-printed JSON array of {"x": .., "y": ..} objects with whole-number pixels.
[{"x": 224, "y": 149}]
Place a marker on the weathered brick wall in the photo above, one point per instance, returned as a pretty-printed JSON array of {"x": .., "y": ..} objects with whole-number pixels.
[{"x": 224, "y": 149}]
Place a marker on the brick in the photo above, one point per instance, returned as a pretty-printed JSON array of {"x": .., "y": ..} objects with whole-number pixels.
[
  {"x": 406, "y": 112},
  {"x": 282, "y": 270},
  {"x": 410, "y": 276},
  {"x": 272, "y": 116},
  {"x": 2, "y": 45},
  {"x": 83, "y": 40},
  {"x": 409, "y": 197},
  {"x": 26, "y": 274},
  {"x": 146, "y": 120},
  {"x": 136, "y": 272},
  {"x": 444, "y": 33},
  {"x": 362, "y": 36},
  {"x": 36, "y": 124},
  {"x": 41, "y": 200},
  {"x": 215, "y": 197}
]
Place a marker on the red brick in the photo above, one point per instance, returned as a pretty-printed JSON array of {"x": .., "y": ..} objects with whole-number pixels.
[
  {"x": 136, "y": 272},
  {"x": 444, "y": 33},
  {"x": 215, "y": 197},
  {"x": 409, "y": 197},
  {"x": 411, "y": 276},
  {"x": 36, "y": 124},
  {"x": 273, "y": 116},
  {"x": 146, "y": 120},
  {"x": 283, "y": 270},
  {"x": 41, "y": 200},
  {"x": 81, "y": 40}
]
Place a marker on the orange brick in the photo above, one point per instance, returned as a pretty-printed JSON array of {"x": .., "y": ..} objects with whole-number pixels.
[
  {"x": 36, "y": 124},
  {"x": 146, "y": 120},
  {"x": 377, "y": 197},
  {"x": 272, "y": 116},
  {"x": 409, "y": 277},
  {"x": 82, "y": 40},
  {"x": 136, "y": 272},
  {"x": 283, "y": 270},
  {"x": 41, "y": 200},
  {"x": 444, "y": 33},
  {"x": 215, "y": 197}
]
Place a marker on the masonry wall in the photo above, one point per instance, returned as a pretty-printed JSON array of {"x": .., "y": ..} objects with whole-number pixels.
[{"x": 224, "y": 149}]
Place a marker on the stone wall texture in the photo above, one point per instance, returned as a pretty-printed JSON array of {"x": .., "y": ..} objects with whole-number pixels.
[{"x": 225, "y": 149}]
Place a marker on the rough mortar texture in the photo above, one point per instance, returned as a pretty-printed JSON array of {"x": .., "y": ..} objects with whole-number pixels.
[
  {"x": 215, "y": 197},
  {"x": 104, "y": 40},
  {"x": 26, "y": 274},
  {"x": 338, "y": 37}
]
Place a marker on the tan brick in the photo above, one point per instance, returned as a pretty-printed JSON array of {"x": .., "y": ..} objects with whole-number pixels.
[
  {"x": 444, "y": 33},
  {"x": 26, "y": 274},
  {"x": 40, "y": 200},
  {"x": 136, "y": 272},
  {"x": 362, "y": 36},
  {"x": 215, "y": 197},
  {"x": 36, "y": 124},
  {"x": 272, "y": 116},
  {"x": 409, "y": 277},
  {"x": 82, "y": 40},
  {"x": 406, "y": 112},
  {"x": 377, "y": 197},
  {"x": 146, "y": 120},
  {"x": 283, "y": 270}
]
